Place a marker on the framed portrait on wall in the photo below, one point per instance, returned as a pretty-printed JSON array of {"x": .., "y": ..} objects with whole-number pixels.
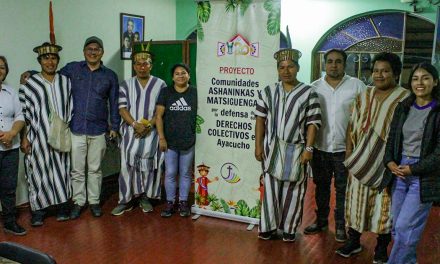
[{"x": 132, "y": 30}]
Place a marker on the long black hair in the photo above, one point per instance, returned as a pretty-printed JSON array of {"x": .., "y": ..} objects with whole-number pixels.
[{"x": 434, "y": 73}]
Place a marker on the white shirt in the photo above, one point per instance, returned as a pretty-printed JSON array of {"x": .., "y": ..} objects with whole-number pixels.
[
  {"x": 10, "y": 111},
  {"x": 335, "y": 110}
]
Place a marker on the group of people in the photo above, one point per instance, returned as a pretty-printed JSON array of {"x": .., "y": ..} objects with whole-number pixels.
[
  {"x": 85, "y": 101},
  {"x": 381, "y": 144}
]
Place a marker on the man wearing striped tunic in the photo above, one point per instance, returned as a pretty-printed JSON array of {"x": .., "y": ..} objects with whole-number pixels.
[
  {"x": 288, "y": 116},
  {"x": 367, "y": 206},
  {"x": 140, "y": 159},
  {"x": 46, "y": 169}
]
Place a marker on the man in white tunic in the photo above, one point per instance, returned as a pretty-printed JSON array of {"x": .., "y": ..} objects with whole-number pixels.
[
  {"x": 46, "y": 169},
  {"x": 140, "y": 158},
  {"x": 288, "y": 116}
]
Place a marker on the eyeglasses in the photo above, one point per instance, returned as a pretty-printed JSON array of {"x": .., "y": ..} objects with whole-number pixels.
[{"x": 93, "y": 50}]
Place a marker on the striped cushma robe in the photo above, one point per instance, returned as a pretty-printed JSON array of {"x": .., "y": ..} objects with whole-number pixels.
[
  {"x": 46, "y": 170},
  {"x": 367, "y": 208},
  {"x": 287, "y": 117},
  {"x": 140, "y": 159}
]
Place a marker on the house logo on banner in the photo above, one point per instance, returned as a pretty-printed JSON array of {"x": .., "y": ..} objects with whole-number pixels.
[{"x": 238, "y": 45}]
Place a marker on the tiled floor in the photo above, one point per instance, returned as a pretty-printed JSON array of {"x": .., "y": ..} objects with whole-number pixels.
[{"x": 136, "y": 237}]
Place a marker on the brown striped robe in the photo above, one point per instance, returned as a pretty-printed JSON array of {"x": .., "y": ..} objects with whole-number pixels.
[
  {"x": 287, "y": 116},
  {"x": 366, "y": 208}
]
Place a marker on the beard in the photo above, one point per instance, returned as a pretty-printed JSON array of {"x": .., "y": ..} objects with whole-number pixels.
[{"x": 335, "y": 74}]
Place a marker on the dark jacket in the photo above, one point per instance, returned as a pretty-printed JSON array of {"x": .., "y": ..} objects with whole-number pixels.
[
  {"x": 428, "y": 168},
  {"x": 95, "y": 94}
]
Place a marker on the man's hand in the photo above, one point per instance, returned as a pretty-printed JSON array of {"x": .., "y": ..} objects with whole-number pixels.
[
  {"x": 24, "y": 77},
  {"x": 306, "y": 156},
  {"x": 113, "y": 134},
  {"x": 139, "y": 130},
  {"x": 258, "y": 153},
  {"x": 25, "y": 146},
  {"x": 6, "y": 138}
]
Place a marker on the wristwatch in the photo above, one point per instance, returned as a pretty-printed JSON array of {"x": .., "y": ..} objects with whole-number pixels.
[{"x": 309, "y": 149}]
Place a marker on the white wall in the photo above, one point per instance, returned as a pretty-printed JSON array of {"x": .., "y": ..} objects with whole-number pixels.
[
  {"x": 25, "y": 24},
  {"x": 309, "y": 20}
]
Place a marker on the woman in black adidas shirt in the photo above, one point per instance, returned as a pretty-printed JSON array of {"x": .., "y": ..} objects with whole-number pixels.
[{"x": 176, "y": 111}]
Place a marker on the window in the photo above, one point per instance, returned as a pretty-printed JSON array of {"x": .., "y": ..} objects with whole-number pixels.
[{"x": 407, "y": 35}]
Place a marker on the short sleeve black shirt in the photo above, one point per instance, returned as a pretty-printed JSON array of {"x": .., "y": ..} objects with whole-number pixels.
[{"x": 180, "y": 117}]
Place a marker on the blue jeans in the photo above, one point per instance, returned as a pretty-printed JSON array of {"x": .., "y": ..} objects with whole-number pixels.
[
  {"x": 178, "y": 161},
  {"x": 409, "y": 216},
  {"x": 8, "y": 183}
]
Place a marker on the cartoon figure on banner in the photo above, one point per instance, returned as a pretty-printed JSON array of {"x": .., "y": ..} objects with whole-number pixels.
[
  {"x": 203, "y": 181},
  {"x": 261, "y": 188}
]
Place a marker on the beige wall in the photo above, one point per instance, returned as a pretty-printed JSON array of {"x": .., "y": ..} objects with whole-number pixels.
[{"x": 25, "y": 24}]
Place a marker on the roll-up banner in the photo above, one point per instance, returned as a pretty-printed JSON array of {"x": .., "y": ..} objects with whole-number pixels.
[{"x": 235, "y": 47}]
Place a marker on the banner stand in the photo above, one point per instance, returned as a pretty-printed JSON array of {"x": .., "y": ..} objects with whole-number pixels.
[
  {"x": 243, "y": 219},
  {"x": 236, "y": 41}
]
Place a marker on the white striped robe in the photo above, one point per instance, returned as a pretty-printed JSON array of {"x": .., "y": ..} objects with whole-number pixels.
[
  {"x": 288, "y": 114},
  {"x": 140, "y": 159},
  {"x": 46, "y": 170},
  {"x": 368, "y": 209}
]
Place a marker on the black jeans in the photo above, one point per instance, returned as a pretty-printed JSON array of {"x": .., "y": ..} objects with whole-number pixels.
[
  {"x": 8, "y": 183},
  {"x": 325, "y": 165}
]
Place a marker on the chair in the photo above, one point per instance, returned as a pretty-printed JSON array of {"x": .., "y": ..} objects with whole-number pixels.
[{"x": 22, "y": 254}]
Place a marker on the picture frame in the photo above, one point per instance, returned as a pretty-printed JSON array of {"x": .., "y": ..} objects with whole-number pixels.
[{"x": 131, "y": 30}]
